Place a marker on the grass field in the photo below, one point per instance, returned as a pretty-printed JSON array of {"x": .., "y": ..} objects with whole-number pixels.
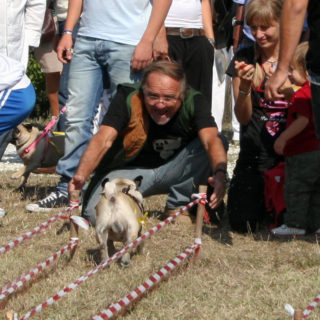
[{"x": 248, "y": 276}]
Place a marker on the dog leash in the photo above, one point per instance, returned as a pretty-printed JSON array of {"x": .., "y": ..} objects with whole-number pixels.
[{"x": 45, "y": 132}]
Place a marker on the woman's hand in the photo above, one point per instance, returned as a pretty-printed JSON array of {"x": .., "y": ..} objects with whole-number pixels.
[{"x": 244, "y": 71}]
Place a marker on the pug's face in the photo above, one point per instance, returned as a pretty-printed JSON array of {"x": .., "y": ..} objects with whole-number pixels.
[{"x": 23, "y": 133}]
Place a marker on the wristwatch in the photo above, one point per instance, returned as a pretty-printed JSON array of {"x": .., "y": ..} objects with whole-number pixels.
[{"x": 236, "y": 22}]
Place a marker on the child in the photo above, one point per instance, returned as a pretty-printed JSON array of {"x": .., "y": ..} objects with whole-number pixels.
[{"x": 300, "y": 146}]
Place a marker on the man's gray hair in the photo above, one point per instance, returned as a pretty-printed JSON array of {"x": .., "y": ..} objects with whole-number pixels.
[{"x": 168, "y": 68}]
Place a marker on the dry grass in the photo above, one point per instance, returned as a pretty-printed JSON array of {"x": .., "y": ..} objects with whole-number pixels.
[{"x": 235, "y": 277}]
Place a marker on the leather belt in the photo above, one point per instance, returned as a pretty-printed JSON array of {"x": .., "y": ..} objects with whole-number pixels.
[{"x": 185, "y": 33}]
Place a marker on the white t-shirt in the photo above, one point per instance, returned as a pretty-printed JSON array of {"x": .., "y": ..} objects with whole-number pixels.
[
  {"x": 122, "y": 21},
  {"x": 184, "y": 14}
]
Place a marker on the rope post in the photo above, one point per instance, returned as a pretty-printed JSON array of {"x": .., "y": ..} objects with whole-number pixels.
[
  {"x": 74, "y": 228},
  {"x": 199, "y": 220},
  {"x": 298, "y": 314}
]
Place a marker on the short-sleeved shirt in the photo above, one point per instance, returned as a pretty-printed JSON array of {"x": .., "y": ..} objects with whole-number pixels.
[
  {"x": 163, "y": 141},
  {"x": 268, "y": 120},
  {"x": 306, "y": 140}
]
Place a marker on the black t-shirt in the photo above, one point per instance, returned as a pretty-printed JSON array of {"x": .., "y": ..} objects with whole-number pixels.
[
  {"x": 313, "y": 56},
  {"x": 164, "y": 141},
  {"x": 268, "y": 120}
]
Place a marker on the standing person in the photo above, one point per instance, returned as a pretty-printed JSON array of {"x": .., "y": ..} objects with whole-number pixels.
[
  {"x": 20, "y": 28},
  {"x": 222, "y": 97},
  {"x": 300, "y": 147},
  {"x": 242, "y": 36},
  {"x": 160, "y": 130},
  {"x": 115, "y": 37},
  {"x": 190, "y": 41},
  {"x": 261, "y": 121},
  {"x": 292, "y": 21},
  {"x": 50, "y": 66}
]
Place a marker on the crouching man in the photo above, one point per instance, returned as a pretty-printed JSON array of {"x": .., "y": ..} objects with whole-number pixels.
[{"x": 160, "y": 130}]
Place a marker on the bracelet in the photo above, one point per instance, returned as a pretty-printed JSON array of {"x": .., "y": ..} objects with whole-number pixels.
[
  {"x": 245, "y": 93},
  {"x": 67, "y": 32},
  {"x": 212, "y": 41},
  {"x": 221, "y": 170}
]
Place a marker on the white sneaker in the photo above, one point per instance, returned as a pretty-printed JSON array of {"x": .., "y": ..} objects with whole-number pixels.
[
  {"x": 55, "y": 199},
  {"x": 2, "y": 213},
  {"x": 285, "y": 231}
]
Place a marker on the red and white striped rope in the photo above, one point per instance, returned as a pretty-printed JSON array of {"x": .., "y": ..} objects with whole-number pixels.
[
  {"x": 108, "y": 261},
  {"x": 147, "y": 285},
  {"x": 14, "y": 285},
  {"x": 306, "y": 313},
  {"x": 38, "y": 229}
]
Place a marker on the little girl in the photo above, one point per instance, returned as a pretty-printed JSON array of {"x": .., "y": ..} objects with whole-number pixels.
[{"x": 300, "y": 147}]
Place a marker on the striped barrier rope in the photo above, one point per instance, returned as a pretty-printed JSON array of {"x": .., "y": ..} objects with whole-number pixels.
[
  {"x": 306, "y": 313},
  {"x": 108, "y": 261},
  {"x": 14, "y": 285},
  {"x": 113, "y": 309},
  {"x": 39, "y": 229}
]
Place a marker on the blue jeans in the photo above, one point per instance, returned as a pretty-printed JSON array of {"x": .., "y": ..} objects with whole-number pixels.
[
  {"x": 92, "y": 60},
  {"x": 180, "y": 177},
  {"x": 63, "y": 87},
  {"x": 315, "y": 94}
]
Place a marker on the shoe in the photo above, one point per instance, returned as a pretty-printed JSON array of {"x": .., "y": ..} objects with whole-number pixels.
[
  {"x": 2, "y": 213},
  {"x": 285, "y": 231},
  {"x": 55, "y": 199}
]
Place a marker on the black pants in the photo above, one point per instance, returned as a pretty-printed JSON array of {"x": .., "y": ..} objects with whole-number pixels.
[
  {"x": 246, "y": 204},
  {"x": 196, "y": 56}
]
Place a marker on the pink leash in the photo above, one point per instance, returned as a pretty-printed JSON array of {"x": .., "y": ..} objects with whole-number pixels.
[{"x": 43, "y": 134}]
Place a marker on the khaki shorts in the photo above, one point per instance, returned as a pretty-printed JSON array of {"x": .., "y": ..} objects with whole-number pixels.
[{"x": 48, "y": 58}]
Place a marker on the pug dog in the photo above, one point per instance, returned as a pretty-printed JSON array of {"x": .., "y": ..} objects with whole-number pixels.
[
  {"x": 44, "y": 154},
  {"x": 119, "y": 216}
]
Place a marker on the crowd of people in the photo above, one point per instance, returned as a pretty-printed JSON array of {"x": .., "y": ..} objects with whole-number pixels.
[{"x": 169, "y": 67}]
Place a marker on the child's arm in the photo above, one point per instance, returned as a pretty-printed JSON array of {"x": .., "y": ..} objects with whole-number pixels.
[{"x": 295, "y": 128}]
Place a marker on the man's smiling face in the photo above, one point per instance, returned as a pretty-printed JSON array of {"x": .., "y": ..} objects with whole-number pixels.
[{"x": 161, "y": 97}]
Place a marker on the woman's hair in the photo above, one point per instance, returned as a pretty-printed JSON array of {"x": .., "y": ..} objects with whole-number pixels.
[
  {"x": 265, "y": 11},
  {"x": 169, "y": 68},
  {"x": 299, "y": 57}
]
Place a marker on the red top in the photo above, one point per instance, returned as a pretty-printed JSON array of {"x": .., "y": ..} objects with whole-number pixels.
[{"x": 306, "y": 140}]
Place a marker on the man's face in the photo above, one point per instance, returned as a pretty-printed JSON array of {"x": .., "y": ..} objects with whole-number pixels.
[{"x": 161, "y": 97}]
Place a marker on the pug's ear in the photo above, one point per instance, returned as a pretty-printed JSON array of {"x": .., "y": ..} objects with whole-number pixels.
[
  {"x": 137, "y": 181},
  {"x": 104, "y": 182},
  {"x": 28, "y": 126}
]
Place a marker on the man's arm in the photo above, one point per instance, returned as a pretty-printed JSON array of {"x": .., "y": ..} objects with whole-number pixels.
[
  {"x": 218, "y": 159},
  {"x": 142, "y": 55},
  {"x": 292, "y": 20},
  {"x": 74, "y": 12},
  {"x": 98, "y": 146},
  {"x": 237, "y": 29},
  {"x": 34, "y": 15}
]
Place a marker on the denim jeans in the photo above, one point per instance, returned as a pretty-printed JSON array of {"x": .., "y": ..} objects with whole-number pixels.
[
  {"x": 180, "y": 177},
  {"x": 63, "y": 87},
  {"x": 315, "y": 93},
  {"x": 92, "y": 60}
]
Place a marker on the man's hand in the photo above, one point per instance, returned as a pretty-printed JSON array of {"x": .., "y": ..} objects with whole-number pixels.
[
  {"x": 64, "y": 48},
  {"x": 273, "y": 85},
  {"x": 142, "y": 55},
  {"x": 76, "y": 183},
  {"x": 218, "y": 182},
  {"x": 160, "y": 46}
]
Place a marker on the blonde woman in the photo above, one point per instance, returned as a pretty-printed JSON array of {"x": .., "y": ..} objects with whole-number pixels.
[{"x": 261, "y": 121}]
